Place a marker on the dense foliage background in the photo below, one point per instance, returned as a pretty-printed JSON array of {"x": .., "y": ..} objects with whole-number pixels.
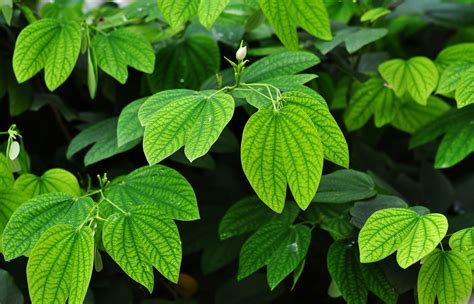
[{"x": 397, "y": 77}]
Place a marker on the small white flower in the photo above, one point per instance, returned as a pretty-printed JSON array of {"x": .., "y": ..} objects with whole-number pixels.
[
  {"x": 14, "y": 150},
  {"x": 241, "y": 53}
]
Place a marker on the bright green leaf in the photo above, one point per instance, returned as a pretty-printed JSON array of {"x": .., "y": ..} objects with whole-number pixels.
[
  {"x": 121, "y": 48},
  {"x": 284, "y": 16},
  {"x": 345, "y": 186},
  {"x": 446, "y": 275},
  {"x": 333, "y": 141},
  {"x": 463, "y": 241},
  {"x": 454, "y": 54},
  {"x": 177, "y": 12},
  {"x": 128, "y": 125},
  {"x": 274, "y": 152},
  {"x": 49, "y": 44},
  {"x": 465, "y": 91},
  {"x": 158, "y": 101},
  {"x": 60, "y": 265},
  {"x": 35, "y": 216},
  {"x": 418, "y": 76},
  {"x": 10, "y": 200},
  {"x": 157, "y": 186},
  {"x": 142, "y": 239},
  {"x": 290, "y": 251},
  {"x": 209, "y": 10},
  {"x": 6, "y": 176},
  {"x": 398, "y": 229},
  {"x": 53, "y": 180},
  {"x": 194, "y": 122}
]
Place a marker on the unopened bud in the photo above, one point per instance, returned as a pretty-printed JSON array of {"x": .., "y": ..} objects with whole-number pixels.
[
  {"x": 14, "y": 150},
  {"x": 241, "y": 53}
]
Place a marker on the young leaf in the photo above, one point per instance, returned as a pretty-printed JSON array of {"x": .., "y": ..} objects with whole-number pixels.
[
  {"x": 177, "y": 12},
  {"x": 418, "y": 76},
  {"x": 60, "y": 265},
  {"x": 345, "y": 186},
  {"x": 142, "y": 239},
  {"x": 344, "y": 269},
  {"x": 373, "y": 14},
  {"x": 286, "y": 63},
  {"x": 284, "y": 16},
  {"x": 121, "y": 48},
  {"x": 49, "y": 44},
  {"x": 104, "y": 137},
  {"x": 290, "y": 252},
  {"x": 446, "y": 275},
  {"x": 275, "y": 153},
  {"x": 194, "y": 122},
  {"x": 10, "y": 200},
  {"x": 53, "y": 180},
  {"x": 398, "y": 229},
  {"x": 157, "y": 186},
  {"x": 209, "y": 10},
  {"x": 128, "y": 125},
  {"x": 35, "y": 216},
  {"x": 246, "y": 215},
  {"x": 333, "y": 141},
  {"x": 463, "y": 241}
]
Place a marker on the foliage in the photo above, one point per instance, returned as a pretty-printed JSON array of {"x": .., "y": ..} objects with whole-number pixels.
[{"x": 190, "y": 137}]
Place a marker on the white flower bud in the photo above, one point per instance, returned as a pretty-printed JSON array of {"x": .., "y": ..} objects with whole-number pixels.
[
  {"x": 14, "y": 150},
  {"x": 241, "y": 53}
]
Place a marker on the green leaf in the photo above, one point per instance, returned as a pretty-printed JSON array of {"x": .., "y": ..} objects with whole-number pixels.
[
  {"x": 244, "y": 216},
  {"x": 142, "y": 239},
  {"x": 371, "y": 98},
  {"x": 455, "y": 54},
  {"x": 342, "y": 10},
  {"x": 60, "y": 266},
  {"x": 463, "y": 241},
  {"x": 344, "y": 269},
  {"x": 209, "y": 10},
  {"x": 287, "y": 63},
  {"x": 194, "y": 122},
  {"x": 156, "y": 186},
  {"x": 354, "y": 39},
  {"x": 10, "y": 200},
  {"x": 446, "y": 275},
  {"x": 177, "y": 12},
  {"x": 49, "y": 44},
  {"x": 104, "y": 137},
  {"x": 186, "y": 63},
  {"x": 418, "y": 76},
  {"x": 377, "y": 282},
  {"x": 411, "y": 116},
  {"x": 364, "y": 209},
  {"x": 218, "y": 254},
  {"x": 259, "y": 249},
  {"x": 6, "y": 176},
  {"x": 398, "y": 229},
  {"x": 158, "y": 101},
  {"x": 290, "y": 251},
  {"x": 373, "y": 14},
  {"x": 53, "y": 180},
  {"x": 6, "y": 7},
  {"x": 333, "y": 141},
  {"x": 121, "y": 48},
  {"x": 345, "y": 186},
  {"x": 456, "y": 144},
  {"x": 284, "y": 16},
  {"x": 274, "y": 152},
  {"x": 465, "y": 92},
  {"x": 9, "y": 292},
  {"x": 35, "y": 216},
  {"x": 128, "y": 125},
  {"x": 92, "y": 73},
  {"x": 451, "y": 77}
]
